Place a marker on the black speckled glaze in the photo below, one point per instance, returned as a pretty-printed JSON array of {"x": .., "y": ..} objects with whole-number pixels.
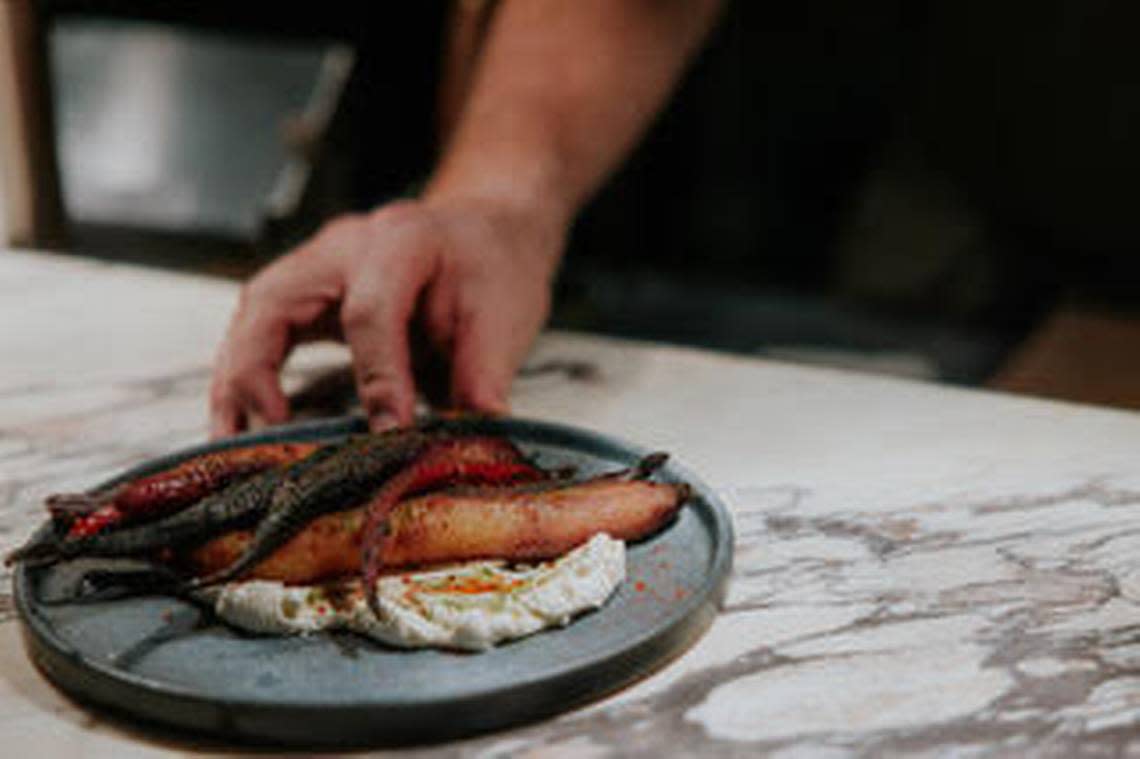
[{"x": 161, "y": 660}]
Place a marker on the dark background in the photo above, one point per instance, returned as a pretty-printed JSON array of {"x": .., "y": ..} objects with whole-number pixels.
[{"x": 912, "y": 186}]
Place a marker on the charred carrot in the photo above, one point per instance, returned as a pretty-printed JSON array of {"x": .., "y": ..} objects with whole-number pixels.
[
  {"x": 525, "y": 523},
  {"x": 339, "y": 482},
  {"x": 475, "y": 460},
  {"x": 237, "y": 505},
  {"x": 169, "y": 490}
]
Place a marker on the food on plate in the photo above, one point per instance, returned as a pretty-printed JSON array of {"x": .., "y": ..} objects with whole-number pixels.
[
  {"x": 239, "y": 505},
  {"x": 353, "y": 474},
  {"x": 523, "y": 523},
  {"x": 465, "y": 460},
  {"x": 471, "y": 606},
  {"x": 169, "y": 490},
  {"x": 336, "y": 522}
]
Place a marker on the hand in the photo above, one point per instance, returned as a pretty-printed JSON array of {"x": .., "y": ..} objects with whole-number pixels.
[{"x": 475, "y": 274}]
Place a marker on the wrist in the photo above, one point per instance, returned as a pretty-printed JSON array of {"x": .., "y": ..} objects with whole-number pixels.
[
  {"x": 535, "y": 219},
  {"x": 527, "y": 188}
]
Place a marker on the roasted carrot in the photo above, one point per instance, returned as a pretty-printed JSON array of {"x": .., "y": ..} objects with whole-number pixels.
[
  {"x": 170, "y": 490},
  {"x": 526, "y": 523},
  {"x": 341, "y": 481},
  {"x": 239, "y": 504},
  {"x": 474, "y": 460}
]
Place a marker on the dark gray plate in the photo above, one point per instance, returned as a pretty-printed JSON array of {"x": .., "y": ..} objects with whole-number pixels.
[{"x": 162, "y": 660}]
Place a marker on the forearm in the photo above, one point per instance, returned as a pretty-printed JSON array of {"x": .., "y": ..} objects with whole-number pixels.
[{"x": 562, "y": 91}]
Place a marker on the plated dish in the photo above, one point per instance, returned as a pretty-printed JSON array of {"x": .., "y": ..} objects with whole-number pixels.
[{"x": 550, "y": 560}]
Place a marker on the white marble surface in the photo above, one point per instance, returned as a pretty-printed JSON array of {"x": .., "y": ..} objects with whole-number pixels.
[{"x": 919, "y": 570}]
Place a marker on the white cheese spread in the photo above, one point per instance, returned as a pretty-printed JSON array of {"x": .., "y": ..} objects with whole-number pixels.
[{"x": 469, "y": 606}]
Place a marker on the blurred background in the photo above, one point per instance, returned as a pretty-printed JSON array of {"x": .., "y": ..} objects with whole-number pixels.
[{"x": 938, "y": 190}]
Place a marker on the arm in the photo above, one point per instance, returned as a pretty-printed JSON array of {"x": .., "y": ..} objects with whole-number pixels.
[
  {"x": 562, "y": 89},
  {"x": 562, "y": 92}
]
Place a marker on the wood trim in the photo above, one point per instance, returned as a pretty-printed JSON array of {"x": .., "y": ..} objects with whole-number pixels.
[
  {"x": 28, "y": 169},
  {"x": 1078, "y": 355}
]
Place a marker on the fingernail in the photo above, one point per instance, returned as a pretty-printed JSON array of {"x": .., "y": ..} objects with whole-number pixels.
[
  {"x": 495, "y": 406},
  {"x": 487, "y": 404},
  {"x": 383, "y": 421}
]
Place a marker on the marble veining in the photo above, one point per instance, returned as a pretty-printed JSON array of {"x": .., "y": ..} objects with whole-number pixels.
[{"x": 919, "y": 570}]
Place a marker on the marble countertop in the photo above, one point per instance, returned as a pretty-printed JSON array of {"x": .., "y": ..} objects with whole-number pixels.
[{"x": 919, "y": 569}]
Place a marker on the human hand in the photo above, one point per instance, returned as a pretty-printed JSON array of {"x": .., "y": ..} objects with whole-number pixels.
[{"x": 475, "y": 274}]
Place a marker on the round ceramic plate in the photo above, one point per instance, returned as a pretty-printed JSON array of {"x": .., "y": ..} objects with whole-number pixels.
[{"x": 163, "y": 660}]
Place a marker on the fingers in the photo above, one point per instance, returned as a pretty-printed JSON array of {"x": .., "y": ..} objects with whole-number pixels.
[
  {"x": 263, "y": 400},
  {"x": 374, "y": 317},
  {"x": 246, "y": 387},
  {"x": 483, "y": 309},
  {"x": 225, "y": 419},
  {"x": 487, "y": 352},
  {"x": 484, "y": 313},
  {"x": 233, "y": 412},
  {"x": 275, "y": 306}
]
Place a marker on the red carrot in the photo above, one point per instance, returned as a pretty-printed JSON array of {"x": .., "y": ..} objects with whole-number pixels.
[
  {"x": 460, "y": 461},
  {"x": 170, "y": 490}
]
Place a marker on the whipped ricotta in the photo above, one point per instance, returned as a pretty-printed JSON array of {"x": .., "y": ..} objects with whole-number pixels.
[{"x": 470, "y": 606}]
